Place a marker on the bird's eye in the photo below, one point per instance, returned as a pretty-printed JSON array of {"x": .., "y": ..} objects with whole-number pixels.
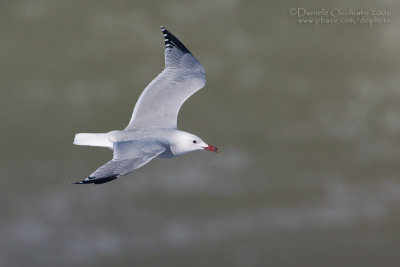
[{"x": 194, "y": 141}]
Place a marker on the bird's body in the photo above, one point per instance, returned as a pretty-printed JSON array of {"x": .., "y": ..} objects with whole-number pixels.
[{"x": 152, "y": 131}]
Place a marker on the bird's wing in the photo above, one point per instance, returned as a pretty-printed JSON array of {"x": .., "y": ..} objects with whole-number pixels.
[
  {"x": 128, "y": 156},
  {"x": 159, "y": 104}
]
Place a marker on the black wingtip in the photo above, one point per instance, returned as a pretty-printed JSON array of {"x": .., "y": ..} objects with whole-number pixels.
[
  {"x": 105, "y": 179},
  {"x": 88, "y": 180},
  {"x": 167, "y": 40},
  {"x": 171, "y": 41},
  {"x": 94, "y": 180}
]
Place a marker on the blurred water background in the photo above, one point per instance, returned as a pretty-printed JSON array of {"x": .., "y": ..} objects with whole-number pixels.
[{"x": 307, "y": 120}]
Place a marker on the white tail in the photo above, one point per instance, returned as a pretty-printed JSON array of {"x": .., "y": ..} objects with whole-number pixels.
[{"x": 92, "y": 139}]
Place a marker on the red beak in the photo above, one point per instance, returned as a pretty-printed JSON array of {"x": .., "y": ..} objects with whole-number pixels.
[{"x": 211, "y": 148}]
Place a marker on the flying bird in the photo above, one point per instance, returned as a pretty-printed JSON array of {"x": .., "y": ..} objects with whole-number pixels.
[{"x": 152, "y": 131}]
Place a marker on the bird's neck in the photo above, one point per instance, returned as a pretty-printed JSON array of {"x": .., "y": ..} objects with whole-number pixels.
[{"x": 178, "y": 143}]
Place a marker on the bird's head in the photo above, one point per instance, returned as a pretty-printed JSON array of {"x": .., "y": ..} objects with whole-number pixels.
[{"x": 187, "y": 142}]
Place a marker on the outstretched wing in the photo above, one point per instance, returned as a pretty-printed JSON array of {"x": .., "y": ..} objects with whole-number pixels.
[
  {"x": 128, "y": 156},
  {"x": 161, "y": 100}
]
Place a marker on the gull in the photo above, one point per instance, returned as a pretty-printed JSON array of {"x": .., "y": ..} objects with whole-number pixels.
[{"x": 152, "y": 131}]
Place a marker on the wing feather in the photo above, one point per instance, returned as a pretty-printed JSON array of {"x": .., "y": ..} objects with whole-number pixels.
[
  {"x": 128, "y": 156},
  {"x": 159, "y": 104}
]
